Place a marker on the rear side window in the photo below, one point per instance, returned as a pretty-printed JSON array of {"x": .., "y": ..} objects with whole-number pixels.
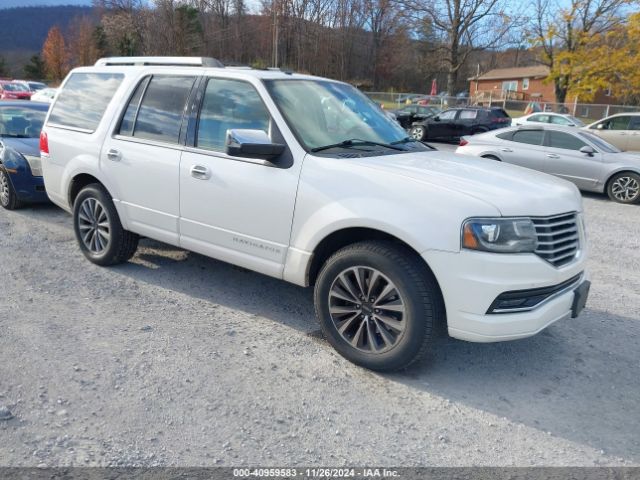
[
  {"x": 505, "y": 135},
  {"x": 159, "y": 116},
  {"x": 468, "y": 114},
  {"x": 129, "y": 118},
  {"x": 565, "y": 140},
  {"x": 530, "y": 137},
  {"x": 499, "y": 113},
  {"x": 83, "y": 100}
]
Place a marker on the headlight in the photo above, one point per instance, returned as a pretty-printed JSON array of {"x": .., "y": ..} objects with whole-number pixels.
[
  {"x": 499, "y": 235},
  {"x": 36, "y": 165}
]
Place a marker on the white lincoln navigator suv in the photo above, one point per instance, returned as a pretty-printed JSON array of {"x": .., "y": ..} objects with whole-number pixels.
[{"x": 307, "y": 180}]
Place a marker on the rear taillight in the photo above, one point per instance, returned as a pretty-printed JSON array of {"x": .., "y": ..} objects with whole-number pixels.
[
  {"x": 44, "y": 143},
  {"x": 463, "y": 142}
]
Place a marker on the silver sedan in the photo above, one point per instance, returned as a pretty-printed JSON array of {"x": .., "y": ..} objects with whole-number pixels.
[{"x": 581, "y": 157}]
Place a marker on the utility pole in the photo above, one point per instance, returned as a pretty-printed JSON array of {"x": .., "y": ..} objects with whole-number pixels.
[{"x": 275, "y": 34}]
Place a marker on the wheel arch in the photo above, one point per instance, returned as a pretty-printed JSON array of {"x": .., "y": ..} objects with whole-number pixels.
[
  {"x": 348, "y": 236},
  {"x": 617, "y": 172},
  {"x": 78, "y": 182}
]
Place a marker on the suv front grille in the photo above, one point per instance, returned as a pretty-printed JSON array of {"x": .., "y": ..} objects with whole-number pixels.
[{"x": 558, "y": 238}]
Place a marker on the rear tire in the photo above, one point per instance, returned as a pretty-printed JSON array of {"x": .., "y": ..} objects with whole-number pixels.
[
  {"x": 8, "y": 197},
  {"x": 386, "y": 333},
  {"x": 418, "y": 132},
  {"x": 624, "y": 187},
  {"x": 98, "y": 228}
]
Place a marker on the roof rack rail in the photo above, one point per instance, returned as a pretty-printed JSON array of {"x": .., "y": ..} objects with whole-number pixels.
[
  {"x": 278, "y": 69},
  {"x": 161, "y": 61}
]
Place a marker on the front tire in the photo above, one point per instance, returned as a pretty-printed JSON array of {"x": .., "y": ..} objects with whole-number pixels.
[
  {"x": 624, "y": 187},
  {"x": 8, "y": 197},
  {"x": 377, "y": 305},
  {"x": 98, "y": 228}
]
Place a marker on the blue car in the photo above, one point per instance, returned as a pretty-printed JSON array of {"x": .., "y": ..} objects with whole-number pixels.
[{"x": 20, "y": 168}]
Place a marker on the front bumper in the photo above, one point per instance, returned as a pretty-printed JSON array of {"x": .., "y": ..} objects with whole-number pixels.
[{"x": 471, "y": 282}]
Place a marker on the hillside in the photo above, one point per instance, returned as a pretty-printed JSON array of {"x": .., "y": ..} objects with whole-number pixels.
[
  {"x": 25, "y": 29},
  {"x": 41, "y": 3}
]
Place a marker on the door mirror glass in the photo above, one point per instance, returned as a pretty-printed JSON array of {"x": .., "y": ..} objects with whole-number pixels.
[
  {"x": 588, "y": 150},
  {"x": 251, "y": 144}
]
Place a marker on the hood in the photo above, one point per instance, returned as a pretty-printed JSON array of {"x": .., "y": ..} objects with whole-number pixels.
[
  {"x": 25, "y": 146},
  {"x": 512, "y": 190}
]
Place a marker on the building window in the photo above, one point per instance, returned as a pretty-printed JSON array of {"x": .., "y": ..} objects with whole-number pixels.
[
  {"x": 510, "y": 85},
  {"x": 525, "y": 84},
  {"x": 607, "y": 92}
]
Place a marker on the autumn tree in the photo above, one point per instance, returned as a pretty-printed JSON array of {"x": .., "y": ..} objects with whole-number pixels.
[
  {"x": 610, "y": 60},
  {"x": 35, "y": 69},
  {"x": 563, "y": 32},
  {"x": 54, "y": 55},
  {"x": 82, "y": 46}
]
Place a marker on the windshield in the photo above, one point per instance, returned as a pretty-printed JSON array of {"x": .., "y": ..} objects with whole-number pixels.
[
  {"x": 577, "y": 122},
  {"x": 21, "y": 122},
  {"x": 601, "y": 144},
  {"x": 323, "y": 113}
]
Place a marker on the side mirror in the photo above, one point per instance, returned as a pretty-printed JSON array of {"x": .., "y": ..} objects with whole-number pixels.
[
  {"x": 437, "y": 118},
  {"x": 252, "y": 144},
  {"x": 587, "y": 150}
]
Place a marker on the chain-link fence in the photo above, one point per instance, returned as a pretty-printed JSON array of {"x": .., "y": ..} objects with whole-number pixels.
[{"x": 586, "y": 112}]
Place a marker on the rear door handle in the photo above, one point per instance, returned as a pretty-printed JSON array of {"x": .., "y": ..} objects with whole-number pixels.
[
  {"x": 200, "y": 172},
  {"x": 552, "y": 155},
  {"x": 506, "y": 150},
  {"x": 113, "y": 154}
]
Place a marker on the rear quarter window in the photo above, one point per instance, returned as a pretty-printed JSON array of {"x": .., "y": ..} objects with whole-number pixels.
[{"x": 84, "y": 99}]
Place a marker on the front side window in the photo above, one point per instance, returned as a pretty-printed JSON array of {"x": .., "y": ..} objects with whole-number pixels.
[
  {"x": 322, "y": 113},
  {"x": 84, "y": 99},
  {"x": 530, "y": 137},
  {"x": 448, "y": 115},
  {"x": 162, "y": 108},
  {"x": 539, "y": 118},
  {"x": 600, "y": 144},
  {"x": 617, "y": 123},
  {"x": 565, "y": 141},
  {"x": 559, "y": 120},
  {"x": 227, "y": 105}
]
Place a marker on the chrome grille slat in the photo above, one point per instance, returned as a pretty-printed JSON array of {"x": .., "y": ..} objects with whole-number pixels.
[
  {"x": 572, "y": 237},
  {"x": 558, "y": 238},
  {"x": 558, "y": 232}
]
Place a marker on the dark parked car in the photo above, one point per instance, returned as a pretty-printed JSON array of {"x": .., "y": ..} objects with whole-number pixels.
[
  {"x": 407, "y": 116},
  {"x": 20, "y": 167},
  {"x": 456, "y": 122}
]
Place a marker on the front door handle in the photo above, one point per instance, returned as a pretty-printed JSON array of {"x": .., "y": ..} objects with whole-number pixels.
[
  {"x": 552, "y": 155},
  {"x": 506, "y": 150},
  {"x": 200, "y": 172},
  {"x": 113, "y": 154}
]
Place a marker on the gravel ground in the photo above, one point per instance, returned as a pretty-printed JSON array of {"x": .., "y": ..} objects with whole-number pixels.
[{"x": 177, "y": 359}]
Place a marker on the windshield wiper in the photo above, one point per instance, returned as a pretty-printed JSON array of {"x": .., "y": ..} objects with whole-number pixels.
[
  {"x": 355, "y": 142},
  {"x": 411, "y": 140}
]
